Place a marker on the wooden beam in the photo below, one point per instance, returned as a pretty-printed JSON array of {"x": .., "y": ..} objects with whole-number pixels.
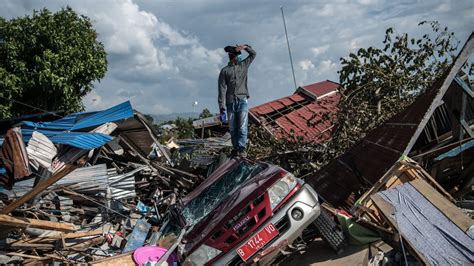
[
  {"x": 35, "y": 223},
  {"x": 83, "y": 234},
  {"x": 39, "y": 188},
  {"x": 122, "y": 259},
  {"x": 24, "y": 255},
  {"x": 451, "y": 211}
]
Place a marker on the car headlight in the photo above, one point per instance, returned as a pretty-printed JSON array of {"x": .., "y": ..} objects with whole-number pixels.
[
  {"x": 201, "y": 255},
  {"x": 278, "y": 191}
]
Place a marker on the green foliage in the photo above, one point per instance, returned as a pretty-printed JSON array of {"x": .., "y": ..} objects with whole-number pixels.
[
  {"x": 205, "y": 113},
  {"x": 184, "y": 128},
  {"x": 49, "y": 61},
  {"x": 378, "y": 83}
]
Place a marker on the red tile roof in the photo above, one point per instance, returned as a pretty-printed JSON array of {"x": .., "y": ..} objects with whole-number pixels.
[
  {"x": 300, "y": 115},
  {"x": 321, "y": 88}
]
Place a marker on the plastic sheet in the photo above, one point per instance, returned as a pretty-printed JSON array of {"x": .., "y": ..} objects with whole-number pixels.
[{"x": 427, "y": 229}]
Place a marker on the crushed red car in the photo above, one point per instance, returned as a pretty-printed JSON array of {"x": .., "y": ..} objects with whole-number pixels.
[{"x": 244, "y": 212}]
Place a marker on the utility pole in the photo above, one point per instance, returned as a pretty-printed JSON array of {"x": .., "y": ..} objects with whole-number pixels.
[{"x": 288, "y": 44}]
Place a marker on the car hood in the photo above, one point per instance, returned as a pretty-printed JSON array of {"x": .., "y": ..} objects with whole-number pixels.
[{"x": 230, "y": 207}]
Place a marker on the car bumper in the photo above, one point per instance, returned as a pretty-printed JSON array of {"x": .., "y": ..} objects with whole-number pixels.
[{"x": 306, "y": 200}]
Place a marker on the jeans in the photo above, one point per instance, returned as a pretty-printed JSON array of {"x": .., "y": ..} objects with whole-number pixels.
[{"x": 237, "y": 113}]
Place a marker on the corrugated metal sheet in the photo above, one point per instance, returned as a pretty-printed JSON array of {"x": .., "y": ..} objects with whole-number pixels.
[
  {"x": 88, "y": 180},
  {"x": 123, "y": 186},
  {"x": 81, "y": 140},
  {"x": 59, "y": 131},
  {"x": 300, "y": 116},
  {"x": 65, "y": 123},
  {"x": 116, "y": 113},
  {"x": 345, "y": 178},
  {"x": 41, "y": 151},
  {"x": 79, "y": 121}
]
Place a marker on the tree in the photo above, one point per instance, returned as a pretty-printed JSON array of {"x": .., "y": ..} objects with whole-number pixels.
[
  {"x": 48, "y": 61},
  {"x": 378, "y": 83},
  {"x": 184, "y": 128},
  {"x": 205, "y": 113}
]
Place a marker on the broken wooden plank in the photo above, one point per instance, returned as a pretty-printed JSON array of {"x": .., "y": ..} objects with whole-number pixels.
[
  {"x": 83, "y": 246},
  {"x": 42, "y": 224},
  {"x": 386, "y": 209},
  {"x": 21, "y": 244},
  {"x": 83, "y": 234},
  {"x": 451, "y": 211},
  {"x": 24, "y": 255},
  {"x": 122, "y": 259}
]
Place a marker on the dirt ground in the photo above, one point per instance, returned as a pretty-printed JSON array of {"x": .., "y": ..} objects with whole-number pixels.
[{"x": 318, "y": 253}]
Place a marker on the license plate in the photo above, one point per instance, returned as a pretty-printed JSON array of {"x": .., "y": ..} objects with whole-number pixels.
[{"x": 257, "y": 241}]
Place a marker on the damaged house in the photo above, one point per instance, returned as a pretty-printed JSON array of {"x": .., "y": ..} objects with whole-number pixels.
[{"x": 308, "y": 114}]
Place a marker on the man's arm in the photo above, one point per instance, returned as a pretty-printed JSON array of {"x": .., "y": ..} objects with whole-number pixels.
[
  {"x": 222, "y": 88},
  {"x": 252, "y": 54}
]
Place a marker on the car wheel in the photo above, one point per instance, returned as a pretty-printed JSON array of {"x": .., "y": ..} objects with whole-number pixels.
[{"x": 330, "y": 231}]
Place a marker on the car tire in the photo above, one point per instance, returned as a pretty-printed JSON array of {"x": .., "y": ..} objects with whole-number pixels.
[{"x": 330, "y": 231}]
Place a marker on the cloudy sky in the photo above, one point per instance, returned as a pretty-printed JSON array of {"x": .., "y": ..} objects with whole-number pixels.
[{"x": 165, "y": 54}]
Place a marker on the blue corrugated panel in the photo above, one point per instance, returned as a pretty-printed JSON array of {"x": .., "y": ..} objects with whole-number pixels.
[
  {"x": 116, "y": 113},
  {"x": 74, "y": 122},
  {"x": 64, "y": 123},
  {"x": 81, "y": 140}
]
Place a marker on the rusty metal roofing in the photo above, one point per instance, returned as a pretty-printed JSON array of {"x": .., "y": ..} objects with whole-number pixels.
[
  {"x": 308, "y": 114},
  {"x": 345, "y": 178},
  {"x": 15, "y": 157}
]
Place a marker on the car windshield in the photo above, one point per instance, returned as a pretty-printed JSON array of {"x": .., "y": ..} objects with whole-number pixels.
[{"x": 216, "y": 193}]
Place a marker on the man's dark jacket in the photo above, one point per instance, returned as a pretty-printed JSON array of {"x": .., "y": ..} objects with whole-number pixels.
[{"x": 233, "y": 80}]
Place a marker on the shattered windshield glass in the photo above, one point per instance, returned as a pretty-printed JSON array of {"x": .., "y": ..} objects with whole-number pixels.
[{"x": 212, "y": 196}]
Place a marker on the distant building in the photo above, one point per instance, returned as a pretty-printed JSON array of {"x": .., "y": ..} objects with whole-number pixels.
[
  {"x": 308, "y": 114},
  {"x": 168, "y": 127}
]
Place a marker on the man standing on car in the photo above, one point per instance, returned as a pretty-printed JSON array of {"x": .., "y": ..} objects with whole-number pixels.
[{"x": 233, "y": 94}]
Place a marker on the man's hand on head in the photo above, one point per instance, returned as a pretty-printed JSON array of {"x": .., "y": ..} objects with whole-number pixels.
[{"x": 240, "y": 47}]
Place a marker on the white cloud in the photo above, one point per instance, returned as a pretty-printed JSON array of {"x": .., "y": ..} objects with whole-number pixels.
[
  {"x": 367, "y": 2},
  {"x": 444, "y": 7},
  {"x": 163, "y": 55},
  {"x": 306, "y": 65},
  {"x": 320, "y": 50},
  {"x": 326, "y": 67}
]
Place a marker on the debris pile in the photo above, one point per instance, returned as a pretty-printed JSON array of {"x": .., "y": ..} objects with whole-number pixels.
[
  {"x": 409, "y": 181},
  {"x": 91, "y": 185}
]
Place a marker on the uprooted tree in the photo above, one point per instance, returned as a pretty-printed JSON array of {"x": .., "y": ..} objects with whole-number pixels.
[
  {"x": 48, "y": 61},
  {"x": 378, "y": 83}
]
